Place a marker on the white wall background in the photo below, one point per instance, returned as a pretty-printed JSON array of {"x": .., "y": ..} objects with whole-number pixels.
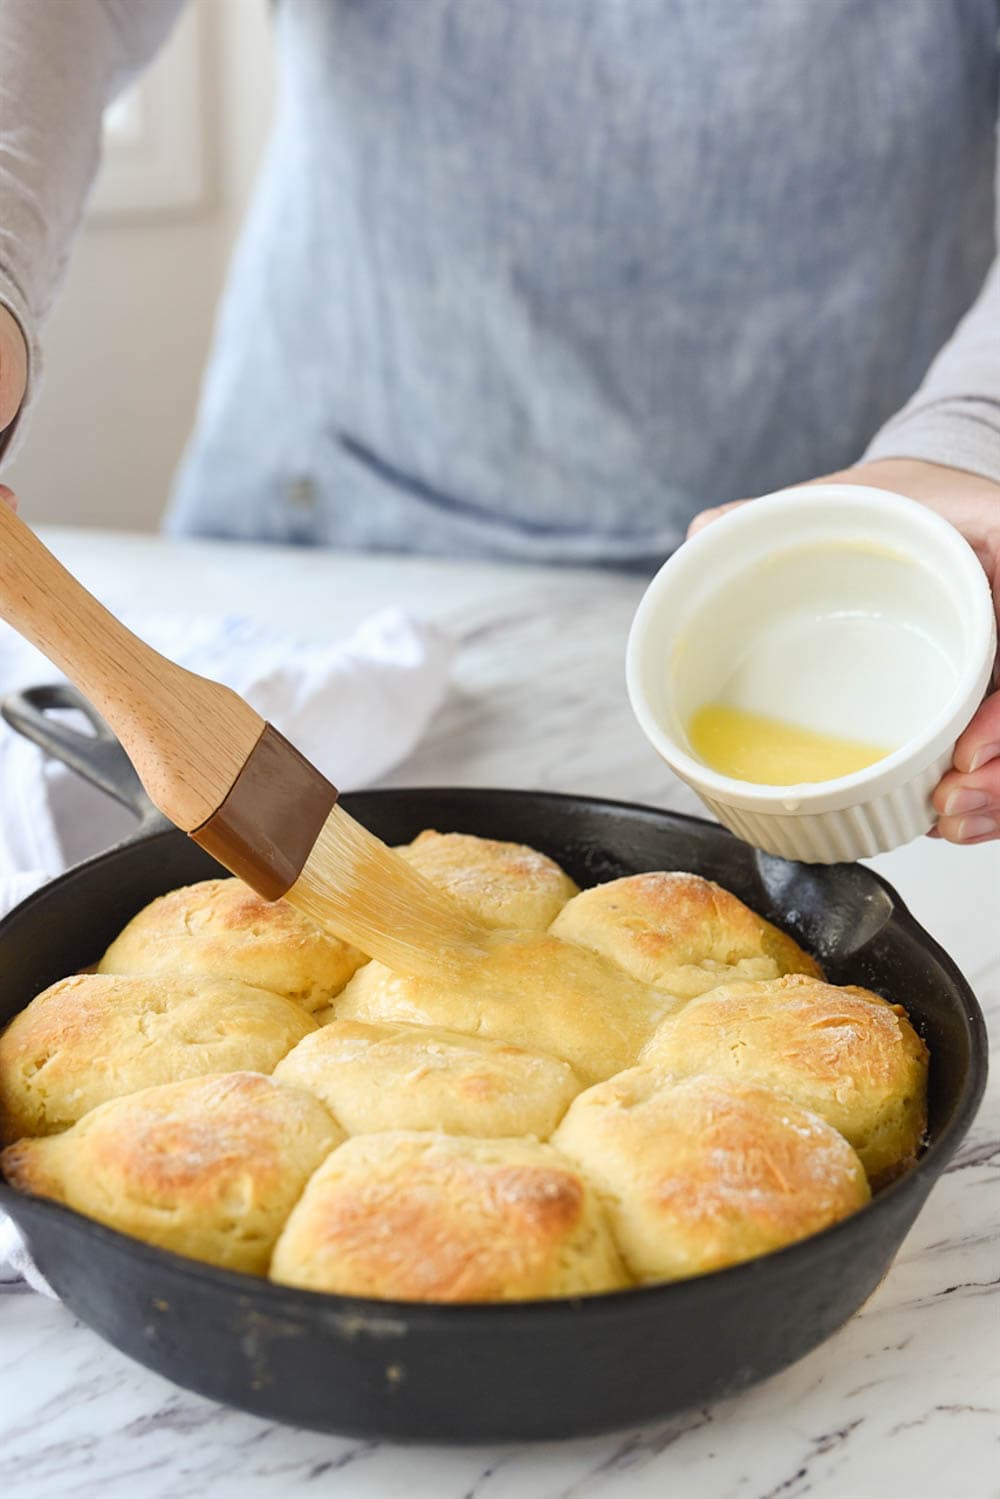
[{"x": 126, "y": 344}]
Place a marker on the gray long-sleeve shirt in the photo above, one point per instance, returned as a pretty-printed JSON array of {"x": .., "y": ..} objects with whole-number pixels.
[{"x": 542, "y": 278}]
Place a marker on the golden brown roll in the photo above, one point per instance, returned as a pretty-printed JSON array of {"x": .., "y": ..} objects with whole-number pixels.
[
  {"x": 502, "y": 884},
  {"x": 680, "y": 933},
  {"x": 842, "y": 1052},
  {"x": 416, "y": 1217},
  {"x": 703, "y": 1172},
  {"x": 99, "y": 1036},
  {"x": 530, "y": 989},
  {"x": 209, "y": 1168},
  {"x": 419, "y": 1077},
  {"x": 222, "y": 929}
]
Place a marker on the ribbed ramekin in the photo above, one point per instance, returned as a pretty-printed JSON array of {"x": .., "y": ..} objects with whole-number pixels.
[{"x": 874, "y": 809}]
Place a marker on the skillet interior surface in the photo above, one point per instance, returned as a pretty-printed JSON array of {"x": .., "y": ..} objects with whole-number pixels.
[{"x": 505, "y": 1372}]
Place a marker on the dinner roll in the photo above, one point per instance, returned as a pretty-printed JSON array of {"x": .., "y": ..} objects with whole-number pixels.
[
  {"x": 415, "y": 1077},
  {"x": 530, "y": 989},
  {"x": 223, "y": 929},
  {"x": 842, "y": 1052},
  {"x": 209, "y": 1168},
  {"x": 680, "y": 933},
  {"x": 502, "y": 884},
  {"x": 702, "y": 1172},
  {"x": 416, "y": 1217},
  {"x": 98, "y": 1036}
]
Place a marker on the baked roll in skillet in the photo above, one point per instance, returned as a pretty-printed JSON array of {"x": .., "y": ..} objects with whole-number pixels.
[
  {"x": 843, "y": 1052},
  {"x": 702, "y": 1172},
  {"x": 530, "y": 989},
  {"x": 222, "y": 929},
  {"x": 210, "y": 1168},
  {"x": 680, "y": 933},
  {"x": 420, "y": 1077},
  {"x": 503, "y": 884},
  {"x": 94, "y": 1037},
  {"x": 417, "y": 1217}
]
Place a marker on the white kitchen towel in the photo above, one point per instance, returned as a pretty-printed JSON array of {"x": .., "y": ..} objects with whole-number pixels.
[{"x": 355, "y": 708}]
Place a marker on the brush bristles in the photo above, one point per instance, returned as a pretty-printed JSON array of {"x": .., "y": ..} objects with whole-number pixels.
[{"x": 363, "y": 892}]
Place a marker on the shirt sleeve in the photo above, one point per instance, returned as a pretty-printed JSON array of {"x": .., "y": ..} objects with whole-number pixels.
[
  {"x": 954, "y": 416},
  {"x": 61, "y": 63}
]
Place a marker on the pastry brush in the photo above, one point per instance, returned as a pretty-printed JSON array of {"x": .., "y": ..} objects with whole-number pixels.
[{"x": 229, "y": 779}]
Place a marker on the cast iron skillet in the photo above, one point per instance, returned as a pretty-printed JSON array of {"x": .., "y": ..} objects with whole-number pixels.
[{"x": 494, "y": 1372}]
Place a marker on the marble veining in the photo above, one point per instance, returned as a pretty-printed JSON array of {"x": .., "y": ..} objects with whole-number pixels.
[{"x": 904, "y": 1400}]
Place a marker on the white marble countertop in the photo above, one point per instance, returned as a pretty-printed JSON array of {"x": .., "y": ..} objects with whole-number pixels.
[{"x": 904, "y": 1400}]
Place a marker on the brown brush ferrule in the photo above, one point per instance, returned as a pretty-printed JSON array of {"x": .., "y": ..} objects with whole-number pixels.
[{"x": 265, "y": 829}]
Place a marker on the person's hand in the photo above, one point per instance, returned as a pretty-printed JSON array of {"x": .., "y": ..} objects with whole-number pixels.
[
  {"x": 13, "y": 367},
  {"x": 967, "y": 798}
]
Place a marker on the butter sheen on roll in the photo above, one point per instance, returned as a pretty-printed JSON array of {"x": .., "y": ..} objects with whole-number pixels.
[
  {"x": 503, "y": 884},
  {"x": 530, "y": 989}
]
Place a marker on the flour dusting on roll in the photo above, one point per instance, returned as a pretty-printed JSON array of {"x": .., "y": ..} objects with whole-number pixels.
[
  {"x": 843, "y": 1052},
  {"x": 210, "y": 1168},
  {"x": 680, "y": 933},
  {"x": 420, "y": 1077},
  {"x": 704, "y": 1172},
  {"x": 97, "y": 1036},
  {"x": 223, "y": 929},
  {"x": 415, "y": 1217}
]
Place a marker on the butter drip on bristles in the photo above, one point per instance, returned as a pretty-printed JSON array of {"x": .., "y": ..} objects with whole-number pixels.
[{"x": 356, "y": 887}]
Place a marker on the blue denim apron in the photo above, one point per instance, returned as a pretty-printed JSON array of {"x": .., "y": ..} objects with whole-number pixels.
[{"x": 538, "y": 279}]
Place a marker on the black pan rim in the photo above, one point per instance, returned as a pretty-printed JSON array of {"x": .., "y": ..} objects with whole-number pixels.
[{"x": 366, "y": 1312}]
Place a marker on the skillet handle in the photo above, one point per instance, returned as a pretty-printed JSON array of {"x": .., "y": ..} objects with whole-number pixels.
[{"x": 97, "y": 757}]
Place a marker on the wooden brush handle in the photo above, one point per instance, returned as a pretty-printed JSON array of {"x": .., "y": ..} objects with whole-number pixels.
[{"x": 187, "y": 737}]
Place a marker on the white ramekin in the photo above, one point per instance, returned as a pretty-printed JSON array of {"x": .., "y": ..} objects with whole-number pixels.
[{"x": 727, "y": 588}]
